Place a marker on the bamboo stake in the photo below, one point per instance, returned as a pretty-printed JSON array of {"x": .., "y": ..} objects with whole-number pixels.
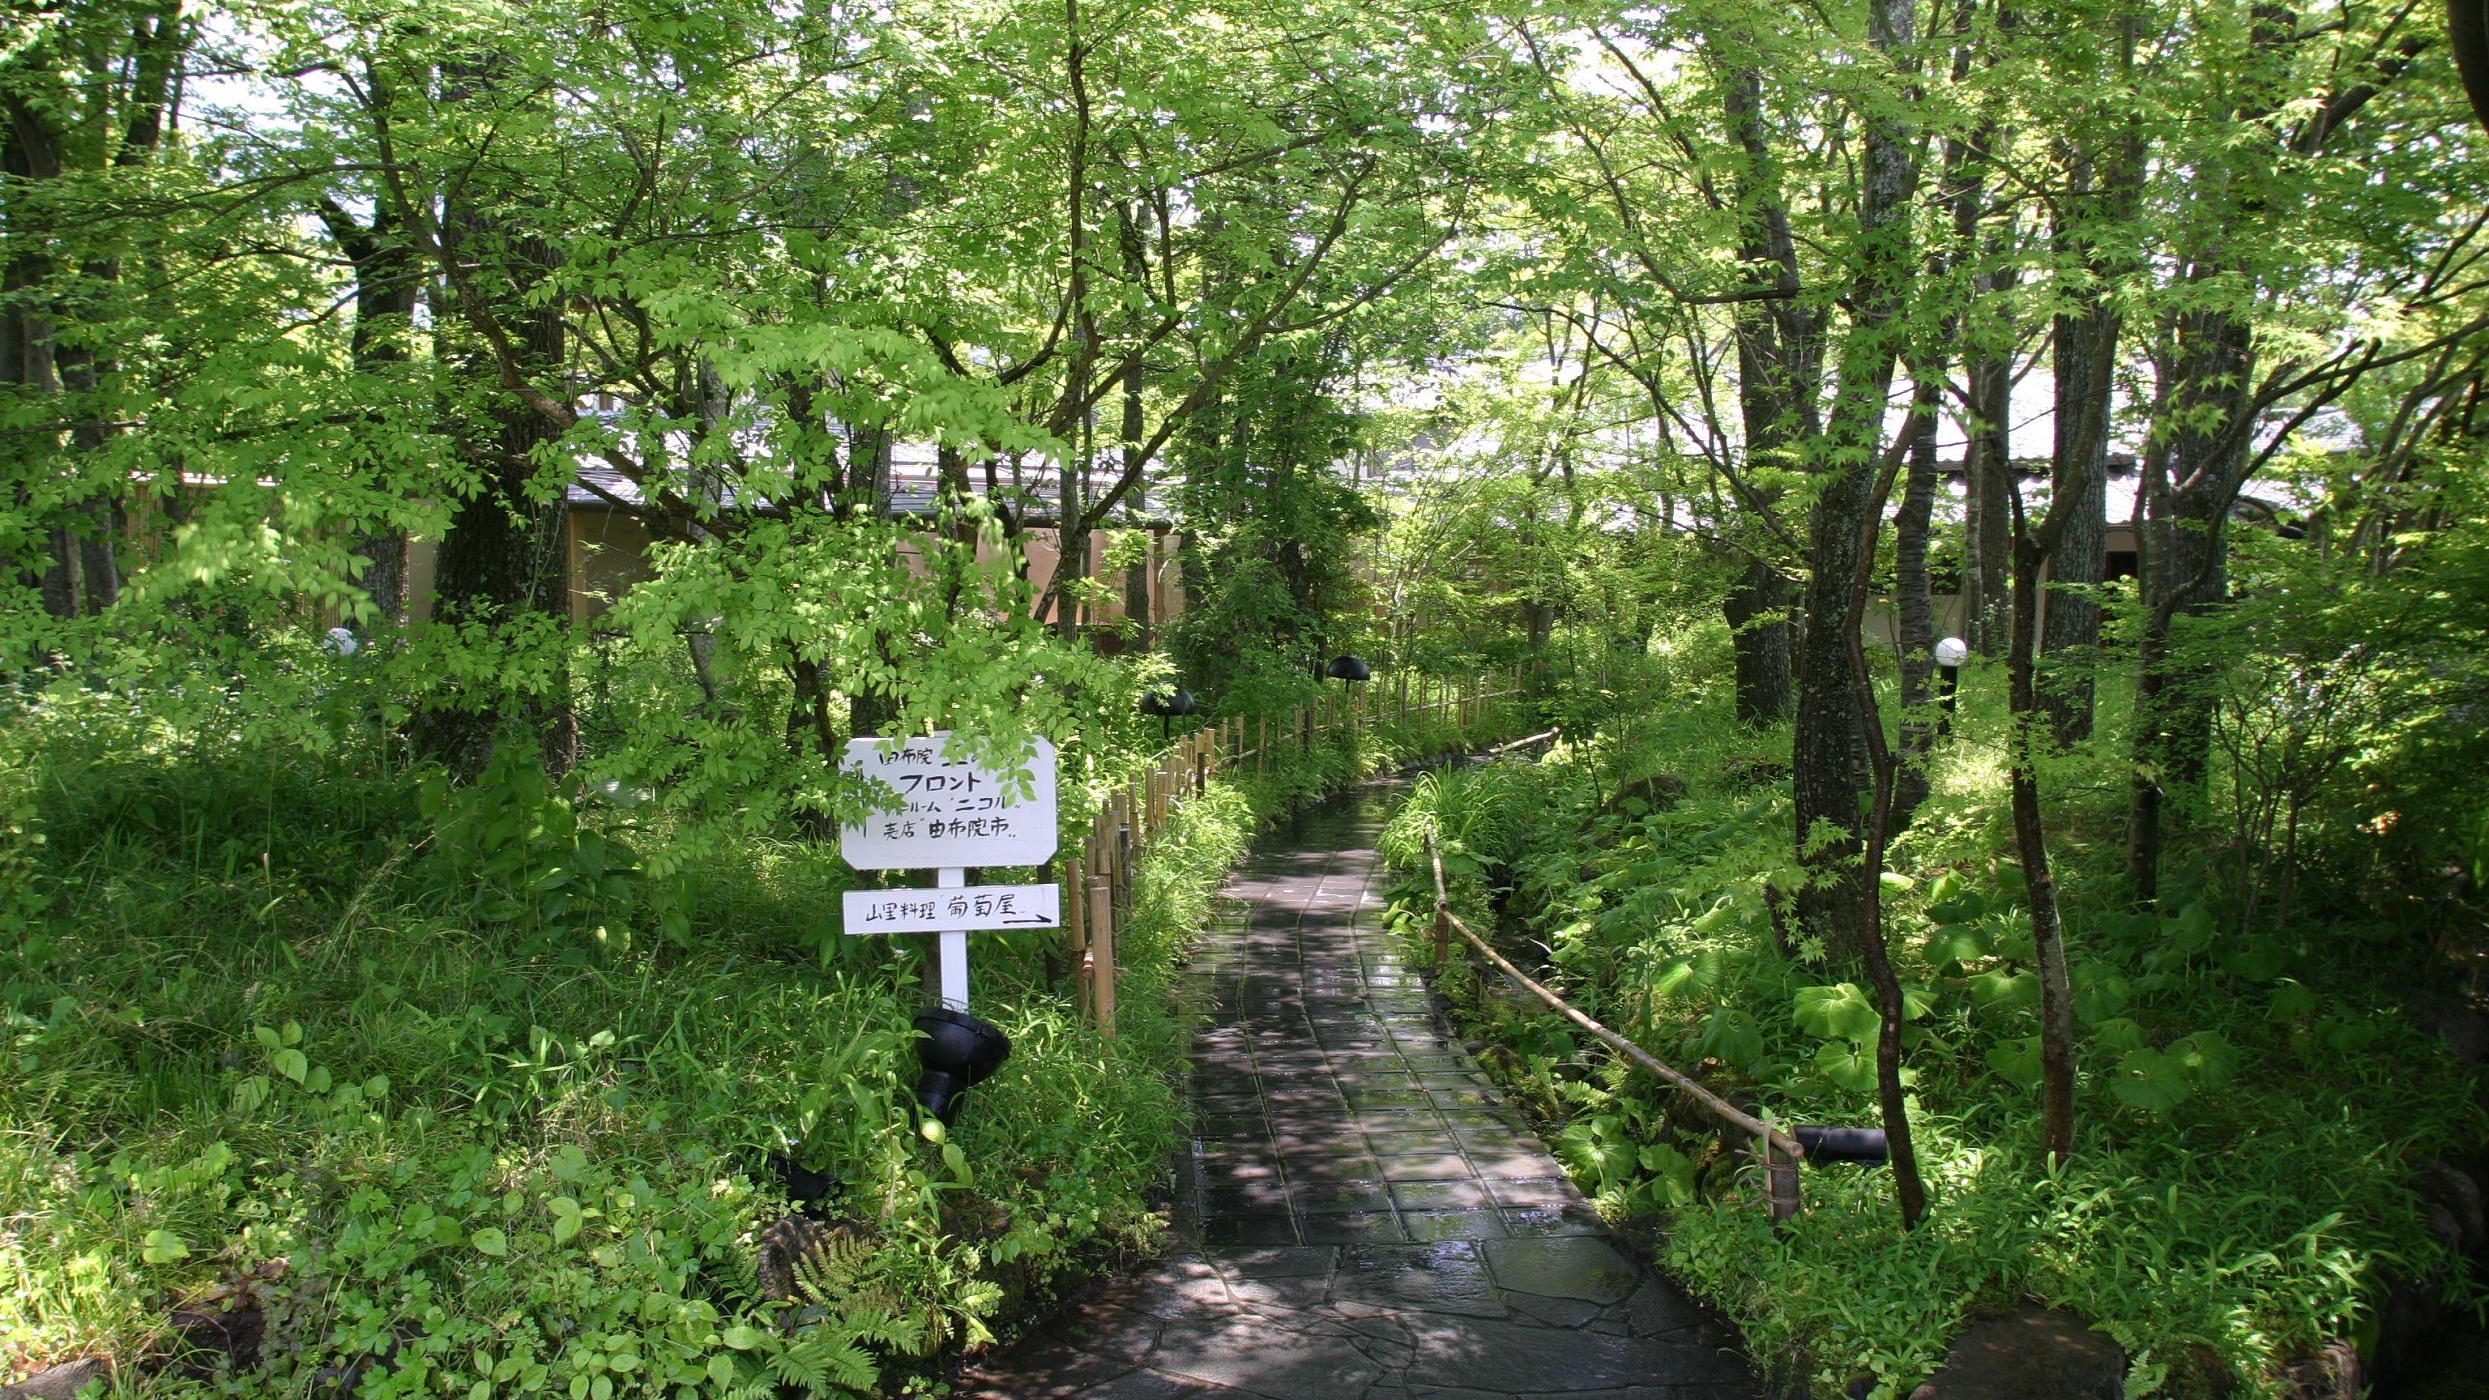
[
  {"x": 1102, "y": 954},
  {"x": 1126, "y": 839},
  {"x": 1076, "y": 930},
  {"x": 1780, "y": 1179}
]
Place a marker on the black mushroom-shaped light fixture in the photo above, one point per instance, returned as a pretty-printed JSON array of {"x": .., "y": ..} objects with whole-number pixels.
[
  {"x": 1167, "y": 702},
  {"x": 957, "y": 1052},
  {"x": 1348, "y": 670}
]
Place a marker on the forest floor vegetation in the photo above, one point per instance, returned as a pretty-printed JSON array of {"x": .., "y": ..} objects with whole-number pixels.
[{"x": 2256, "y": 1109}]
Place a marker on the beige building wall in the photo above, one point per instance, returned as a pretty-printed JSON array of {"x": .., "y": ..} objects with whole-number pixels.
[{"x": 609, "y": 552}]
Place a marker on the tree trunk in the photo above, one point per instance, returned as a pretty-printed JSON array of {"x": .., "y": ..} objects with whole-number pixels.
[
  {"x": 2086, "y": 347},
  {"x": 1987, "y": 541},
  {"x": 387, "y": 281},
  {"x": 1757, "y": 608},
  {"x": 2085, "y": 360},
  {"x": 1779, "y": 370},
  {"x": 1914, "y": 602},
  {"x": 2056, "y": 992},
  {"x": 2073, "y": 497},
  {"x": 869, "y": 454},
  {"x": 1838, "y": 761},
  {"x": 1987, "y": 467},
  {"x": 1141, "y": 579},
  {"x": 505, "y": 557},
  {"x": 1071, "y": 564},
  {"x": 2190, "y": 479}
]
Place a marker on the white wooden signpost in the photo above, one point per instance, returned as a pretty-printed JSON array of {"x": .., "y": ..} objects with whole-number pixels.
[{"x": 952, "y": 813}]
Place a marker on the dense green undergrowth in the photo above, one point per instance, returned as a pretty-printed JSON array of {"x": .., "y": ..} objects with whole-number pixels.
[
  {"x": 2253, "y": 1105},
  {"x": 468, "y": 1100},
  {"x": 463, "y": 1102}
]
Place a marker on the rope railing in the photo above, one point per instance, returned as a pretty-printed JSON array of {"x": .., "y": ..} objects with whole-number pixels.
[{"x": 1780, "y": 1152}]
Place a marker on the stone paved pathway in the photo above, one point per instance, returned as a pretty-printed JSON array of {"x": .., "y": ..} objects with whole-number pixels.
[{"x": 1372, "y": 1221}]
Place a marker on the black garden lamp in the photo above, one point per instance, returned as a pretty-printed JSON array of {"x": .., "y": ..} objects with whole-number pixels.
[
  {"x": 1166, "y": 704},
  {"x": 957, "y": 1052},
  {"x": 1865, "y": 1146},
  {"x": 1348, "y": 670}
]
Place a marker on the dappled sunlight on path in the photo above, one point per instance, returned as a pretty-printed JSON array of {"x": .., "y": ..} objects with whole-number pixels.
[{"x": 1368, "y": 1218}]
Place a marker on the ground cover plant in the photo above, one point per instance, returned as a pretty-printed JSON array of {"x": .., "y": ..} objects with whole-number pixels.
[
  {"x": 2257, "y": 1108},
  {"x": 272, "y": 1032},
  {"x": 453, "y": 1090}
]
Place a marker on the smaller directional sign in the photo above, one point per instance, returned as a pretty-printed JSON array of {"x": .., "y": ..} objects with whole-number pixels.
[{"x": 954, "y": 910}]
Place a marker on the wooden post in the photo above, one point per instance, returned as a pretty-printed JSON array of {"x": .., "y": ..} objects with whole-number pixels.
[
  {"x": 1400, "y": 692},
  {"x": 1075, "y": 880},
  {"x": 1780, "y": 1181},
  {"x": 1075, "y": 929},
  {"x": 1110, "y": 846},
  {"x": 1201, "y": 769},
  {"x": 1157, "y": 799},
  {"x": 1102, "y": 954},
  {"x": 1125, "y": 840},
  {"x": 1261, "y": 743}
]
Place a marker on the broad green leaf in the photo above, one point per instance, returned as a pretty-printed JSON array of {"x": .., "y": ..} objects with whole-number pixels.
[
  {"x": 2152, "y": 1081},
  {"x": 2293, "y": 1000},
  {"x": 1842, "y": 1011},
  {"x": 2098, "y": 993},
  {"x": 490, "y": 1241},
  {"x": 567, "y": 1219},
  {"x": 2005, "y": 987},
  {"x": 2117, "y": 1035},
  {"x": 1731, "y": 1035},
  {"x": 1956, "y": 944},
  {"x": 2017, "y": 1061},
  {"x": 2209, "y": 1059},
  {"x": 1848, "y": 1065},
  {"x": 1672, "y": 1170}
]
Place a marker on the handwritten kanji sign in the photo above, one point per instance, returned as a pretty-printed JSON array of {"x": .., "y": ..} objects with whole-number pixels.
[
  {"x": 942, "y": 911},
  {"x": 951, "y": 812}
]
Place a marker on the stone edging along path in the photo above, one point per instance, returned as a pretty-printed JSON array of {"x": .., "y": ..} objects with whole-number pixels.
[{"x": 1369, "y": 1221}]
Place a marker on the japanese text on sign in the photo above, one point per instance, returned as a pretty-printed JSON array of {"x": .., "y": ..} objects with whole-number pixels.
[
  {"x": 943, "y": 911},
  {"x": 950, "y": 811}
]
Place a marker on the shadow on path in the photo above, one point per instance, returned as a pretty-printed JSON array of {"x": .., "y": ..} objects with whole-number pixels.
[{"x": 1372, "y": 1222}]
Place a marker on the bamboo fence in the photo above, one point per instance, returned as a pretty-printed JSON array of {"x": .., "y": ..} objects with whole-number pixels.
[{"x": 1097, "y": 882}]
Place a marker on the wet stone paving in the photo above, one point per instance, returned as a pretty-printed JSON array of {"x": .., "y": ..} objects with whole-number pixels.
[{"x": 1368, "y": 1220}]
